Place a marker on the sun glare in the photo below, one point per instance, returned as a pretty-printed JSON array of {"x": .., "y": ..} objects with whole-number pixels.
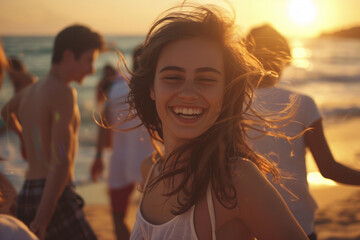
[{"x": 302, "y": 12}]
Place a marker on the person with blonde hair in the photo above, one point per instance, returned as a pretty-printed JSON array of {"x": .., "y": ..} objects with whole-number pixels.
[{"x": 191, "y": 90}]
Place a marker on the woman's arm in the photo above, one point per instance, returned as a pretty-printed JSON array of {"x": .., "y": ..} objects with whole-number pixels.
[
  {"x": 329, "y": 168},
  {"x": 261, "y": 208},
  {"x": 104, "y": 140}
]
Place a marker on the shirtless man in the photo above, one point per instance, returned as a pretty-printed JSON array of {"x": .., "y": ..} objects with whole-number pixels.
[{"x": 46, "y": 117}]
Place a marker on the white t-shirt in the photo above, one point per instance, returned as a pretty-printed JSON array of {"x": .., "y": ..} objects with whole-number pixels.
[
  {"x": 276, "y": 149},
  {"x": 13, "y": 229},
  {"x": 129, "y": 148}
]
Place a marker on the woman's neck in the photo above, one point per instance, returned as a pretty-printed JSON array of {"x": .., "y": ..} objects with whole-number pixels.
[{"x": 171, "y": 144}]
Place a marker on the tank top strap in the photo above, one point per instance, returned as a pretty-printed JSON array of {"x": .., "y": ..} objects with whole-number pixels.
[
  {"x": 147, "y": 179},
  {"x": 211, "y": 211},
  {"x": 149, "y": 174}
]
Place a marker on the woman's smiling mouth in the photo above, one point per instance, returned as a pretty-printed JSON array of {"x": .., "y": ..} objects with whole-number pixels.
[{"x": 189, "y": 113}]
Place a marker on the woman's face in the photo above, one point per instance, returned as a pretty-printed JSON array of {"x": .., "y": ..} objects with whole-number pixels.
[{"x": 188, "y": 88}]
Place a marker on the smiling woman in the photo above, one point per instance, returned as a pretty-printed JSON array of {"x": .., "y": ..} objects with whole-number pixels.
[
  {"x": 198, "y": 89},
  {"x": 191, "y": 90},
  {"x": 302, "y": 12}
]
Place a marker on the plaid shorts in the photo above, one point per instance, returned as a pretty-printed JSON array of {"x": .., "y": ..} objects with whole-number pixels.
[{"x": 68, "y": 221}]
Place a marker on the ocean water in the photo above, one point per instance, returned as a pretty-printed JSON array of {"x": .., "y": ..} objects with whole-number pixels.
[{"x": 326, "y": 69}]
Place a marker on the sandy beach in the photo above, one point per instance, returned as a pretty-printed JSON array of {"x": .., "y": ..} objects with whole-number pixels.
[
  {"x": 98, "y": 212},
  {"x": 338, "y": 216}
]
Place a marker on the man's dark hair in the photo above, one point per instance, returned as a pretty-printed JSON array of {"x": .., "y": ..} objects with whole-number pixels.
[{"x": 78, "y": 39}]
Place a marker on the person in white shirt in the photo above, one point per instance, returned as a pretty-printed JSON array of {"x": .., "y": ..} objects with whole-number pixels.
[
  {"x": 129, "y": 148},
  {"x": 273, "y": 51}
]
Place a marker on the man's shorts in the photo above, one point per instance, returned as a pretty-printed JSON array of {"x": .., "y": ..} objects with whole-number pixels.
[
  {"x": 120, "y": 198},
  {"x": 67, "y": 222}
]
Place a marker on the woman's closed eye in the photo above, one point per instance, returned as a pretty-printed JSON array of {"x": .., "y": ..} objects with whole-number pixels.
[
  {"x": 207, "y": 80},
  {"x": 172, "y": 78}
]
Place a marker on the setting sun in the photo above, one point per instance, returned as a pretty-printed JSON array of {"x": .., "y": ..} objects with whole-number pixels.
[{"x": 302, "y": 12}]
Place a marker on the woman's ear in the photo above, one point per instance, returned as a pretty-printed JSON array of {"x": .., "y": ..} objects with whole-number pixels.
[{"x": 152, "y": 93}]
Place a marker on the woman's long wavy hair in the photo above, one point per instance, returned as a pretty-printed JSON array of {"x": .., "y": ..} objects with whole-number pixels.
[{"x": 209, "y": 157}]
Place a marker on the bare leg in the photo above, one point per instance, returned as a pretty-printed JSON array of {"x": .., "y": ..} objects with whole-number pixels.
[
  {"x": 119, "y": 202},
  {"x": 121, "y": 230}
]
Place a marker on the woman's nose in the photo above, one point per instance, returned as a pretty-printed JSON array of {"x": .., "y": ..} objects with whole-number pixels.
[{"x": 188, "y": 92}]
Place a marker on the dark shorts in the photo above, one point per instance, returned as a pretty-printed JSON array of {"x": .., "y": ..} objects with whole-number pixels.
[
  {"x": 67, "y": 222},
  {"x": 120, "y": 198}
]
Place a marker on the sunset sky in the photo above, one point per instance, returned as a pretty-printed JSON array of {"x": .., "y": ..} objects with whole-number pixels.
[{"x": 295, "y": 18}]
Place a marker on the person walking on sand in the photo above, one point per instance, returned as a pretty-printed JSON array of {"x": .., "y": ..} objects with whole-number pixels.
[
  {"x": 273, "y": 51},
  {"x": 110, "y": 74},
  {"x": 10, "y": 227},
  {"x": 46, "y": 117},
  {"x": 20, "y": 77},
  {"x": 129, "y": 148}
]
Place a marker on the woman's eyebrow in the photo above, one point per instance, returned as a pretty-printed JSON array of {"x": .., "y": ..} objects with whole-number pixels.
[
  {"x": 209, "y": 69},
  {"x": 172, "y": 68},
  {"x": 202, "y": 69}
]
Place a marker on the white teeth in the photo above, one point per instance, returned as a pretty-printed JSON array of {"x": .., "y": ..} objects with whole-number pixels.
[
  {"x": 188, "y": 112},
  {"x": 189, "y": 116}
]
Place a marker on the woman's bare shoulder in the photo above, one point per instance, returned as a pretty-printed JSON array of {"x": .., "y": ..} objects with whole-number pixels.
[
  {"x": 243, "y": 167},
  {"x": 258, "y": 204},
  {"x": 247, "y": 177},
  {"x": 146, "y": 165}
]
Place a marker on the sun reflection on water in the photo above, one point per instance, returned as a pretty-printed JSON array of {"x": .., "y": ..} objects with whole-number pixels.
[{"x": 301, "y": 57}]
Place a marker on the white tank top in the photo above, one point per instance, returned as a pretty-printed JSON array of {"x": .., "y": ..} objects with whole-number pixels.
[{"x": 181, "y": 227}]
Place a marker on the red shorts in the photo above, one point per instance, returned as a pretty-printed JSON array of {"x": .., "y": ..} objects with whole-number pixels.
[{"x": 119, "y": 198}]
